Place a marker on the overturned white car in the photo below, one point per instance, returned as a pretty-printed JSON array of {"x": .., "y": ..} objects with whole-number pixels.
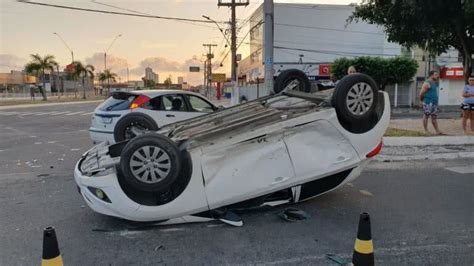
[{"x": 279, "y": 149}]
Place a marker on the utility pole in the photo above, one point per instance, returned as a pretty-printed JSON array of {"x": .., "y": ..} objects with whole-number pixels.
[
  {"x": 268, "y": 41},
  {"x": 233, "y": 4},
  {"x": 208, "y": 70}
]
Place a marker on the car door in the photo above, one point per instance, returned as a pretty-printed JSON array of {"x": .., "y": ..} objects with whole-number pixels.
[
  {"x": 198, "y": 105},
  {"x": 174, "y": 108}
]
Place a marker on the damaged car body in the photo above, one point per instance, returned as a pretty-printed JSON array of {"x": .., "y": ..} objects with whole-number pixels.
[{"x": 284, "y": 148}]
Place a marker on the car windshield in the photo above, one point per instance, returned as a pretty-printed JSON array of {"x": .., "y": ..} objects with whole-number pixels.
[{"x": 117, "y": 102}]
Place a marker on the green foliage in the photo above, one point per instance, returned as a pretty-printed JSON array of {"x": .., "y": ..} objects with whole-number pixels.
[
  {"x": 434, "y": 25},
  {"x": 37, "y": 67},
  {"x": 168, "y": 81},
  {"x": 384, "y": 71},
  {"x": 148, "y": 83},
  {"x": 107, "y": 75}
]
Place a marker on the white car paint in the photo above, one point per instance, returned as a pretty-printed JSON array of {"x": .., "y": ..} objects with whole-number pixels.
[
  {"x": 246, "y": 165},
  {"x": 103, "y": 122}
]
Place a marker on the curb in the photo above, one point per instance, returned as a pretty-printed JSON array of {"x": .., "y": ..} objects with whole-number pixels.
[
  {"x": 423, "y": 157},
  {"x": 428, "y": 141},
  {"x": 6, "y": 107}
]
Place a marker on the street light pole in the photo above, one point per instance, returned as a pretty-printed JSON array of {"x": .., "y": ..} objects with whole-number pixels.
[
  {"x": 105, "y": 59},
  {"x": 72, "y": 56},
  {"x": 110, "y": 46},
  {"x": 268, "y": 40},
  {"x": 219, "y": 27}
]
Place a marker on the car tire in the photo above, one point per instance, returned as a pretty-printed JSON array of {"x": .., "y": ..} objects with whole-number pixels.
[
  {"x": 355, "y": 99},
  {"x": 150, "y": 163},
  {"x": 288, "y": 76},
  {"x": 122, "y": 128}
]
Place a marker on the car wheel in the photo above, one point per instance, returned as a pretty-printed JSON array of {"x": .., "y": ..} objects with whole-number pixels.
[
  {"x": 355, "y": 99},
  {"x": 150, "y": 163},
  {"x": 288, "y": 76},
  {"x": 131, "y": 123}
]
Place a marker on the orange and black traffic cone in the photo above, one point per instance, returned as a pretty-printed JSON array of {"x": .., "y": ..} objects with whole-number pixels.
[
  {"x": 364, "y": 247},
  {"x": 51, "y": 255}
]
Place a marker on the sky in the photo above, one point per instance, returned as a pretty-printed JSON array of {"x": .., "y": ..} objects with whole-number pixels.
[{"x": 169, "y": 47}]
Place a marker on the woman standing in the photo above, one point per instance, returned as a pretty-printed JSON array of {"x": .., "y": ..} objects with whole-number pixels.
[{"x": 468, "y": 105}]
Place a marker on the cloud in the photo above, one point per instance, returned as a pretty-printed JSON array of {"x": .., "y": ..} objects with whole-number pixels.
[
  {"x": 116, "y": 64},
  {"x": 10, "y": 62}
]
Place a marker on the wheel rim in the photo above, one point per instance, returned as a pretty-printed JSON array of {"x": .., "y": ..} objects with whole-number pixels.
[
  {"x": 150, "y": 164},
  {"x": 360, "y": 99}
]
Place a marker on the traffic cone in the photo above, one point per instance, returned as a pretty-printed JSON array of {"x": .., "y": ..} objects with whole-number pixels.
[
  {"x": 363, "y": 248},
  {"x": 51, "y": 255}
]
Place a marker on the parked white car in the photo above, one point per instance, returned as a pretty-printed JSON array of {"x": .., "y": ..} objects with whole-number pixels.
[
  {"x": 280, "y": 149},
  {"x": 123, "y": 113}
]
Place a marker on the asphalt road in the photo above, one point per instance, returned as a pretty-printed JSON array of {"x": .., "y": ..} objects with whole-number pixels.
[{"x": 422, "y": 213}]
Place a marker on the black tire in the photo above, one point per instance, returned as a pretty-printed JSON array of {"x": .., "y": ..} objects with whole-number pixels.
[
  {"x": 155, "y": 173},
  {"x": 122, "y": 128},
  {"x": 289, "y": 75},
  {"x": 355, "y": 99}
]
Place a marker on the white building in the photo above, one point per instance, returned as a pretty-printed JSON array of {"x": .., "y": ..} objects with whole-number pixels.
[
  {"x": 150, "y": 75},
  {"x": 307, "y": 36},
  {"x": 180, "y": 80}
]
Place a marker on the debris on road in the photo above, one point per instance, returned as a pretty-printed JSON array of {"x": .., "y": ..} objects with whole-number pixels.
[
  {"x": 33, "y": 164},
  {"x": 366, "y": 193},
  {"x": 293, "y": 215},
  {"x": 337, "y": 259}
]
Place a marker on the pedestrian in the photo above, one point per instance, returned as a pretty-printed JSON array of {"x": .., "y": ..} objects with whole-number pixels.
[
  {"x": 32, "y": 93},
  {"x": 429, "y": 100},
  {"x": 468, "y": 105},
  {"x": 351, "y": 70},
  {"x": 333, "y": 79}
]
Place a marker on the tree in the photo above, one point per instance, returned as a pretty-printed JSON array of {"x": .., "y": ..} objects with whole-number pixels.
[
  {"x": 168, "y": 82},
  {"x": 434, "y": 25},
  {"x": 37, "y": 67},
  {"x": 384, "y": 71},
  {"x": 83, "y": 72},
  {"x": 148, "y": 83},
  {"x": 108, "y": 76}
]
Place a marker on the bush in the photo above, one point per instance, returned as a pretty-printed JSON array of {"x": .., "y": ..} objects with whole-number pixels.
[{"x": 384, "y": 71}]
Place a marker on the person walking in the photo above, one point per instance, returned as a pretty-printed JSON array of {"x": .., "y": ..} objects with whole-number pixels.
[
  {"x": 429, "y": 100},
  {"x": 468, "y": 105}
]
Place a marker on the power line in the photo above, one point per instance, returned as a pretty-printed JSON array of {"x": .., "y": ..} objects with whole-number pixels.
[
  {"x": 328, "y": 29},
  {"x": 113, "y": 12},
  {"x": 143, "y": 13}
]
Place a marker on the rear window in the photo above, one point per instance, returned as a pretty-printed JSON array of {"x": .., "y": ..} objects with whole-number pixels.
[{"x": 117, "y": 102}]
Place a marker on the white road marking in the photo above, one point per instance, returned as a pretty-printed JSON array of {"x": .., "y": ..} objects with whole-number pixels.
[
  {"x": 462, "y": 169},
  {"x": 26, "y": 113},
  {"x": 60, "y": 113},
  {"x": 37, "y": 143},
  {"x": 42, "y": 113},
  {"x": 76, "y": 113},
  {"x": 88, "y": 113},
  {"x": 8, "y": 113},
  {"x": 52, "y": 142}
]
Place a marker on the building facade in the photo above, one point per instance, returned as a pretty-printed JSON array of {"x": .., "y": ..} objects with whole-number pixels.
[{"x": 150, "y": 75}]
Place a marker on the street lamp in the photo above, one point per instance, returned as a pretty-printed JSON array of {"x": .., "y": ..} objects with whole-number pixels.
[
  {"x": 65, "y": 44},
  {"x": 110, "y": 46},
  {"x": 72, "y": 58},
  {"x": 219, "y": 27},
  {"x": 105, "y": 59}
]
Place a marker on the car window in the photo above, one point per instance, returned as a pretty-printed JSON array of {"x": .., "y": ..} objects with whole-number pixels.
[
  {"x": 117, "y": 102},
  {"x": 173, "y": 102},
  {"x": 199, "y": 105},
  {"x": 153, "y": 104}
]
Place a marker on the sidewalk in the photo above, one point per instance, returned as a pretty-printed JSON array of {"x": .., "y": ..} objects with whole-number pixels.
[{"x": 450, "y": 127}]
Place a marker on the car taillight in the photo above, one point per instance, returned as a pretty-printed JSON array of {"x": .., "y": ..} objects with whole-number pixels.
[
  {"x": 376, "y": 150},
  {"x": 139, "y": 102}
]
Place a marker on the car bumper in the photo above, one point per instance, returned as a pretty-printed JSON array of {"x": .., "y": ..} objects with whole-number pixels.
[
  {"x": 110, "y": 186},
  {"x": 98, "y": 136}
]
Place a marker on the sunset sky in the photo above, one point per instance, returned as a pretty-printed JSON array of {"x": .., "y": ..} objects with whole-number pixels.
[{"x": 169, "y": 47}]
